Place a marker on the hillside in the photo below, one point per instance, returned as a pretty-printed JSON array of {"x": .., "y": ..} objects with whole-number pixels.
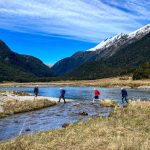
[
  {"x": 16, "y": 67},
  {"x": 103, "y": 51},
  {"x": 142, "y": 72},
  {"x": 124, "y": 61}
]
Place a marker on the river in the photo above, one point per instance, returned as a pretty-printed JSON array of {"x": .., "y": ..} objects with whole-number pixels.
[{"x": 54, "y": 117}]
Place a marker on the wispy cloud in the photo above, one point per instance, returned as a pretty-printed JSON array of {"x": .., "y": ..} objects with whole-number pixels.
[{"x": 90, "y": 20}]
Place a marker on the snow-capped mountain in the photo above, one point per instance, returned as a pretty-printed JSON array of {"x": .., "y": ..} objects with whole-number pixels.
[
  {"x": 109, "y": 42},
  {"x": 122, "y": 39},
  {"x": 138, "y": 34},
  {"x": 104, "y": 50}
]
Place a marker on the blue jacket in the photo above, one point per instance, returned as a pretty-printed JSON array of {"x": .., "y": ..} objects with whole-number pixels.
[
  {"x": 124, "y": 92},
  {"x": 62, "y": 92},
  {"x": 36, "y": 90}
]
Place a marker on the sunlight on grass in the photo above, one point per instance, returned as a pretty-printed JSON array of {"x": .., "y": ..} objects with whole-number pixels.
[
  {"x": 127, "y": 128},
  {"x": 14, "y": 106}
]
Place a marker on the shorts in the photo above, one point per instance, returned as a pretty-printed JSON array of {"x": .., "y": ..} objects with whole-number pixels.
[{"x": 96, "y": 97}]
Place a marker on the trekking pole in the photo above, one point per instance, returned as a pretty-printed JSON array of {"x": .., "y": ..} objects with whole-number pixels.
[
  {"x": 92, "y": 97},
  {"x": 22, "y": 127}
]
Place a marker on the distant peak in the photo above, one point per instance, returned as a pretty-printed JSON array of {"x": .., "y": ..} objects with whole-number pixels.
[
  {"x": 106, "y": 43},
  {"x": 143, "y": 30},
  {"x": 138, "y": 34},
  {"x": 50, "y": 65}
]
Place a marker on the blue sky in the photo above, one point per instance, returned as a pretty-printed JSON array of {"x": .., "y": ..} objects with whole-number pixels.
[{"x": 54, "y": 29}]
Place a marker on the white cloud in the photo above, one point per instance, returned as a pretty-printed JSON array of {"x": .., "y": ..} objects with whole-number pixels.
[{"x": 90, "y": 20}]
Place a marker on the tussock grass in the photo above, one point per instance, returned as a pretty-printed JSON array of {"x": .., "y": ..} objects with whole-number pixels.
[
  {"x": 14, "y": 106},
  {"x": 127, "y": 129},
  {"x": 108, "y": 103},
  {"x": 3, "y": 114},
  {"x": 19, "y": 93}
]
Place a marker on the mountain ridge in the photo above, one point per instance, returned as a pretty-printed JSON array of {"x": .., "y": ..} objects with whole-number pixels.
[
  {"x": 21, "y": 66},
  {"x": 137, "y": 35},
  {"x": 102, "y": 51},
  {"x": 125, "y": 61}
]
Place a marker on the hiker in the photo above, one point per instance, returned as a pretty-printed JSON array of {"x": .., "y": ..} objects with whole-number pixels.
[
  {"x": 62, "y": 95},
  {"x": 124, "y": 95},
  {"x": 36, "y": 91},
  {"x": 96, "y": 95}
]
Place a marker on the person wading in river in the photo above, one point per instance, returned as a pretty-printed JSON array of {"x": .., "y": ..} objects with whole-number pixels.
[
  {"x": 124, "y": 95},
  {"x": 36, "y": 91},
  {"x": 96, "y": 95},
  {"x": 62, "y": 95}
]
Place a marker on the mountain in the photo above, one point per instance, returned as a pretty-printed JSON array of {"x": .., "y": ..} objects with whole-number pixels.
[
  {"x": 16, "y": 67},
  {"x": 102, "y": 51},
  {"x": 142, "y": 72},
  {"x": 126, "y": 60}
]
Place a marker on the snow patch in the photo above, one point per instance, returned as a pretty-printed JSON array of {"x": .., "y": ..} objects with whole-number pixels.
[{"x": 138, "y": 34}]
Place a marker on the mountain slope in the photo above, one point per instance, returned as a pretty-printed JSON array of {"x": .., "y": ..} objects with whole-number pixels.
[
  {"x": 14, "y": 66},
  {"x": 102, "y": 51},
  {"x": 142, "y": 72},
  {"x": 124, "y": 61}
]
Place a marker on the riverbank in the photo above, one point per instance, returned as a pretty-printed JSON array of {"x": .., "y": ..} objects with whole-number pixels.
[
  {"x": 107, "y": 82},
  {"x": 18, "y": 102},
  {"x": 14, "y": 107},
  {"x": 126, "y": 128}
]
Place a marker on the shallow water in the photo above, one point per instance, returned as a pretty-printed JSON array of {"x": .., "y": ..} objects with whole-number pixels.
[
  {"x": 85, "y": 93},
  {"x": 54, "y": 117}
]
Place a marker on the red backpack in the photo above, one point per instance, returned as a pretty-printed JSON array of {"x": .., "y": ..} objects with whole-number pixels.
[{"x": 97, "y": 93}]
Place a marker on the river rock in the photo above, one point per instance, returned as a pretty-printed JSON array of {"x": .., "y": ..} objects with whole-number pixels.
[
  {"x": 65, "y": 125},
  {"x": 16, "y": 121},
  {"x": 27, "y": 130},
  {"x": 83, "y": 113},
  {"x": 77, "y": 105}
]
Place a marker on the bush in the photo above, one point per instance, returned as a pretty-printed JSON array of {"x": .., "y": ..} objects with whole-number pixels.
[{"x": 142, "y": 72}]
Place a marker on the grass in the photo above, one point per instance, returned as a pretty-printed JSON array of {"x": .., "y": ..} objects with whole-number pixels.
[
  {"x": 126, "y": 129},
  {"x": 19, "y": 93},
  {"x": 108, "y": 103},
  {"x": 106, "y": 82},
  {"x": 3, "y": 114},
  {"x": 14, "y": 107}
]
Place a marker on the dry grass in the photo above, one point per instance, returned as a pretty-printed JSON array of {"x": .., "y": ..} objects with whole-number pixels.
[
  {"x": 3, "y": 114},
  {"x": 19, "y": 93},
  {"x": 108, "y": 103},
  {"x": 140, "y": 104},
  {"x": 126, "y": 129},
  {"x": 107, "y": 82},
  {"x": 14, "y": 106}
]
